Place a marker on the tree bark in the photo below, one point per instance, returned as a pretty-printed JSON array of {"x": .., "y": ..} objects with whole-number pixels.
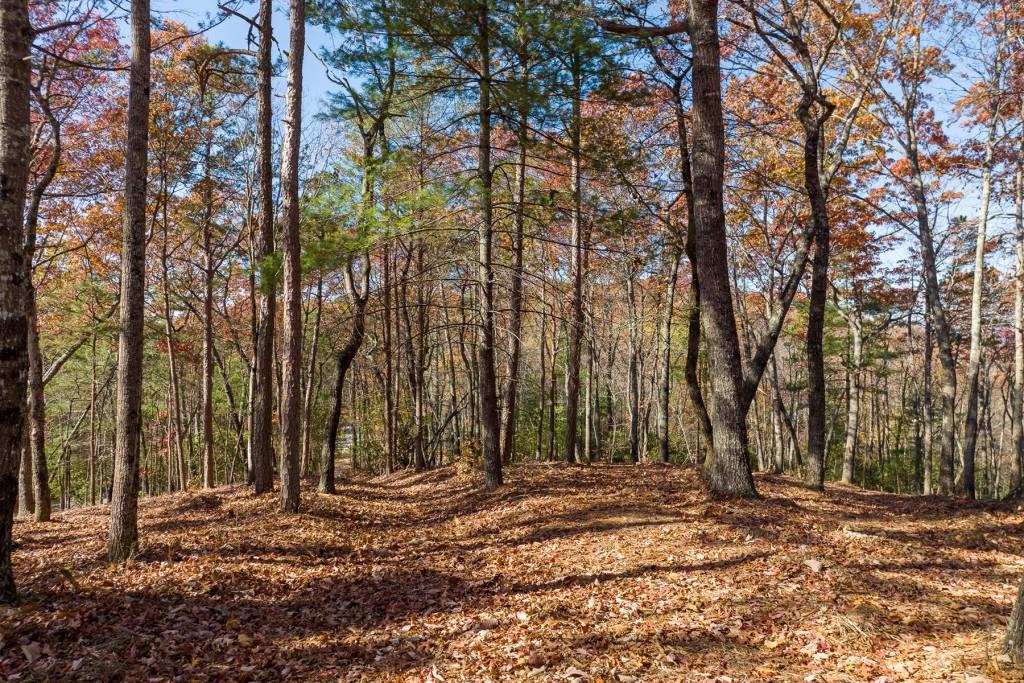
[
  {"x": 1017, "y": 460},
  {"x": 577, "y": 267},
  {"x": 967, "y": 486},
  {"x": 730, "y": 473},
  {"x": 15, "y": 43},
  {"x": 853, "y": 401},
  {"x": 36, "y": 379},
  {"x": 262, "y": 397},
  {"x": 817, "y": 445},
  {"x": 209, "y": 473},
  {"x": 1014, "y": 644},
  {"x": 291, "y": 401},
  {"x": 124, "y": 535},
  {"x": 489, "y": 426},
  {"x": 633, "y": 381},
  {"x": 311, "y": 390},
  {"x": 665, "y": 378},
  {"x": 345, "y": 357},
  {"x": 508, "y": 417}
]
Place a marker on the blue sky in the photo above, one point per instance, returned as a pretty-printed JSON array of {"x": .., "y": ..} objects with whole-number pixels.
[{"x": 233, "y": 32}]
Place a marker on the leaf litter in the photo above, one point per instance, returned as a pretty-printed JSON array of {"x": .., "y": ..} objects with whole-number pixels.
[{"x": 582, "y": 574}]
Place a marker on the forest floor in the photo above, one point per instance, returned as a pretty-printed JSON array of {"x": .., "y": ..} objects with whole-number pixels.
[{"x": 577, "y": 574}]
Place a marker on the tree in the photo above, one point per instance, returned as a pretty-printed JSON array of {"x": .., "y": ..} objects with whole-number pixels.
[
  {"x": 124, "y": 533},
  {"x": 15, "y": 41},
  {"x": 262, "y": 399},
  {"x": 292, "y": 366},
  {"x": 990, "y": 105},
  {"x": 730, "y": 468}
]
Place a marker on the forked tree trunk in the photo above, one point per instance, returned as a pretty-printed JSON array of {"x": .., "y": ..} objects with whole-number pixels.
[
  {"x": 730, "y": 473},
  {"x": 124, "y": 534},
  {"x": 344, "y": 362}
]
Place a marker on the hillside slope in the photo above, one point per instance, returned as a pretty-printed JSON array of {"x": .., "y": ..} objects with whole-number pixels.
[{"x": 567, "y": 574}]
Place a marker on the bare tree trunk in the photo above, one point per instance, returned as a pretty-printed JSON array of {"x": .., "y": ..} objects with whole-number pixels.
[
  {"x": 262, "y": 395},
  {"x": 578, "y": 268},
  {"x": 209, "y": 473},
  {"x": 36, "y": 409},
  {"x": 693, "y": 309},
  {"x": 174, "y": 407},
  {"x": 730, "y": 470},
  {"x": 1014, "y": 644},
  {"x": 1017, "y": 460},
  {"x": 967, "y": 486},
  {"x": 389, "y": 396},
  {"x": 543, "y": 353},
  {"x": 633, "y": 387},
  {"x": 489, "y": 427},
  {"x": 124, "y": 534},
  {"x": 817, "y": 445},
  {"x": 508, "y": 417},
  {"x": 665, "y": 385},
  {"x": 36, "y": 382},
  {"x": 345, "y": 357},
  {"x": 15, "y": 43},
  {"x": 926, "y": 487},
  {"x": 26, "y": 497},
  {"x": 853, "y": 409},
  {"x": 310, "y": 390},
  {"x": 291, "y": 386}
]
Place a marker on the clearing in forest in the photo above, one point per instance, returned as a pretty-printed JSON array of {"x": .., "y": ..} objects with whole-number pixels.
[{"x": 579, "y": 574}]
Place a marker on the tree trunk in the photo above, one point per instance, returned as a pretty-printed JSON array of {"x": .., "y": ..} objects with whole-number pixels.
[
  {"x": 36, "y": 408},
  {"x": 633, "y": 386},
  {"x": 853, "y": 408},
  {"x": 26, "y": 496},
  {"x": 974, "y": 362},
  {"x": 489, "y": 427},
  {"x": 817, "y": 446},
  {"x": 291, "y": 386},
  {"x": 577, "y": 268},
  {"x": 209, "y": 473},
  {"x": 262, "y": 397},
  {"x": 124, "y": 535},
  {"x": 730, "y": 470},
  {"x": 665, "y": 385},
  {"x": 693, "y": 311},
  {"x": 1017, "y": 459},
  {"x": 345, "y": 358},
  {"x": 939, "y": 322},
  {"x": 36, "y": 382},
  {"x": 508, "y": 417},
  {"x": 1014, "y": 644},
  {"x": 310, "y": 390},
  {"x": 15, "y": 42}
]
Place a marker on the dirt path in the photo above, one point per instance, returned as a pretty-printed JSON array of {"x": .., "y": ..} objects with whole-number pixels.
[{"x": 569, "y": 574}]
